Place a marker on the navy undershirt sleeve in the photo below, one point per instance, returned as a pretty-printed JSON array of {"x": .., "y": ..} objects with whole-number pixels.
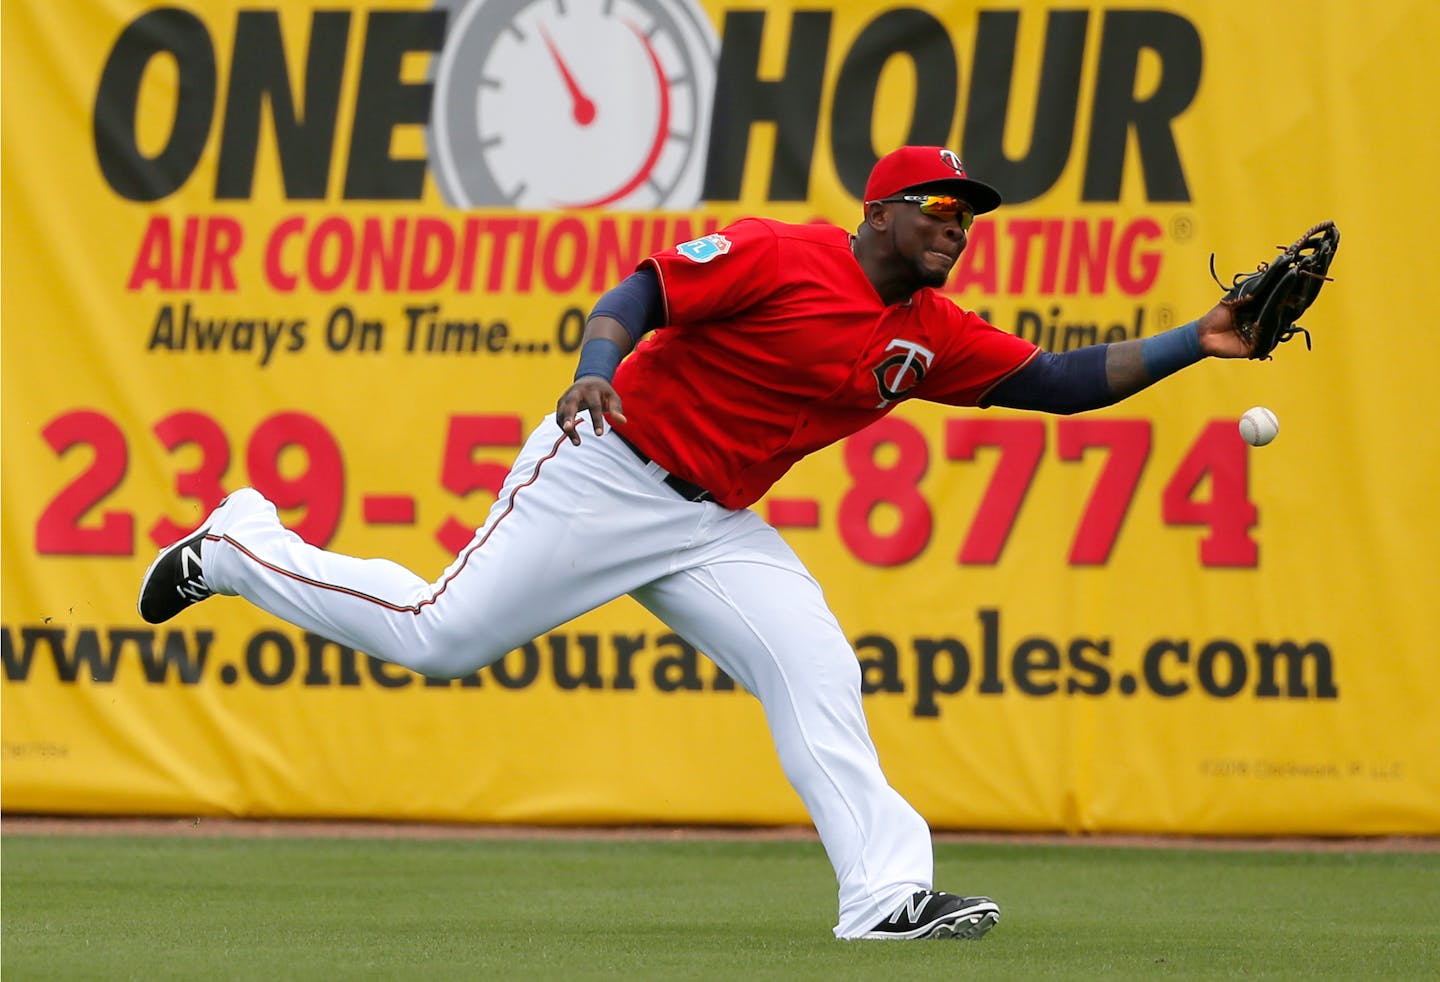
[
  {"x": 635, "y": 302},
  {"x": 1066, "y": 383}
]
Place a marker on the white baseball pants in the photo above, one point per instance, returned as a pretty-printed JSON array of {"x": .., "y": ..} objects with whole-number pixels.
[{"x": 572, "y": 528}]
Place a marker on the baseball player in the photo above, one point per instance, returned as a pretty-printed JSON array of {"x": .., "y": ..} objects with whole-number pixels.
[{"x": 770, "y": 341}]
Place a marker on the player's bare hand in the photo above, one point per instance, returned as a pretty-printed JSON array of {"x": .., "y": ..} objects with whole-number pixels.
[
  {"x": 591, "y": 393},
  {"x": 1218, "y": 336}
]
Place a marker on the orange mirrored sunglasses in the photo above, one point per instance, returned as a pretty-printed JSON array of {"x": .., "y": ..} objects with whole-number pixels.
[{"x": 943, "y": 206}]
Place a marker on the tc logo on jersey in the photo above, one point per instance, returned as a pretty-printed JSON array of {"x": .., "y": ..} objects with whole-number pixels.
[
  {"x": 902, "y": 371},
  {"x": 704, "y": 249}
]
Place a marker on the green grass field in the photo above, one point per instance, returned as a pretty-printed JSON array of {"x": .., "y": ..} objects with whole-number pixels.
[{"x": 216, "y": 908}]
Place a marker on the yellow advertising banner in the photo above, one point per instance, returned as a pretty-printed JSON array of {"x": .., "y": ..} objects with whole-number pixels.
[{"x": 344, "y": 253}]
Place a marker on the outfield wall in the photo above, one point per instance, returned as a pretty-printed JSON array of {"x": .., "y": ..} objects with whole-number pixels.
[{"x": 344, "y": 253}]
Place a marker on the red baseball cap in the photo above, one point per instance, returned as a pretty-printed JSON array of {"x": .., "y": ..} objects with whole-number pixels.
[{"x": 929, "y": 169}]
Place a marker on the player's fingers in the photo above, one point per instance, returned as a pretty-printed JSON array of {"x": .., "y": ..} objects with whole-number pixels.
[
  {"x": 586, "y": 397},
  {"x": 593, "y": 403},
  {"x": 565, "y": 417},
  {"x": 568, "y": 425},
  {"x": 613, "y": 409}
]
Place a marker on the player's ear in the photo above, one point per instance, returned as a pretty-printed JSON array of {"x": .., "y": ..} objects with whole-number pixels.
[{"x": 877, "y": 215}]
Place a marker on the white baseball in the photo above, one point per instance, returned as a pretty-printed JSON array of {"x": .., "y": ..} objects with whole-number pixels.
[{"x": 1259, "y": 426}]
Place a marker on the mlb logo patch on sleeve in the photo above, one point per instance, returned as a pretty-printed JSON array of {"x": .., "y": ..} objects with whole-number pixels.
[{"x": 704, "y": 249}]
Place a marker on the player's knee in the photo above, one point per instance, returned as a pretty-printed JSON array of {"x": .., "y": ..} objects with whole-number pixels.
[
  {"x": 440, "y": 664},
  {"x": 446, "y": 670},
  {"x": 451, "y": 654}
]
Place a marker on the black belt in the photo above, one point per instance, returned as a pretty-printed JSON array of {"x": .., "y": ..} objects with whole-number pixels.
[{"x": 686, "y": 490}]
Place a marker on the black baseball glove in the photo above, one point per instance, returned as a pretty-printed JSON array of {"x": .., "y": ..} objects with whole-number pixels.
[{"x": 1268, "y": 301}]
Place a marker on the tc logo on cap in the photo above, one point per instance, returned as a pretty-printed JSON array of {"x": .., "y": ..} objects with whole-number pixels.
[{"x": 953, "y": 161}]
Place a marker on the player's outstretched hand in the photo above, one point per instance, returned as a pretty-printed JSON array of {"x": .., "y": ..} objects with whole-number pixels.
[
  {"x": 593, "y": 393},
  {"x": 1219, "y": 335}
]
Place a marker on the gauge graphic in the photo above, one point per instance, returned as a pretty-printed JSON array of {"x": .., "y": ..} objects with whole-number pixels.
[{"x": 542, "y": 104}]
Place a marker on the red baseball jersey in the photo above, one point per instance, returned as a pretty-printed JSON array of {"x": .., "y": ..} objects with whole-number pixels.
[{"x": 777, "y": 345}]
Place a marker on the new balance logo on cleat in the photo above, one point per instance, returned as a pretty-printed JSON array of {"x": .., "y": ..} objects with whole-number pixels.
[
  {"x": 931, "y": 914},
  {"x": 175, "y": 580}
]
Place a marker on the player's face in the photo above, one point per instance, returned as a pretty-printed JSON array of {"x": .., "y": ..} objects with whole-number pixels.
[{"x": 928, "y": 244}]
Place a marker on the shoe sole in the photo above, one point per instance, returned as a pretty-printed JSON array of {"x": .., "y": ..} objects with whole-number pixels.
[{"x": 971, "y": 927}]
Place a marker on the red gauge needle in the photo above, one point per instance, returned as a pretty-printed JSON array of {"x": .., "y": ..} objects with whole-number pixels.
[
  {"x": 662, "y": 129},
  {"x": 583, "y": 107}
]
